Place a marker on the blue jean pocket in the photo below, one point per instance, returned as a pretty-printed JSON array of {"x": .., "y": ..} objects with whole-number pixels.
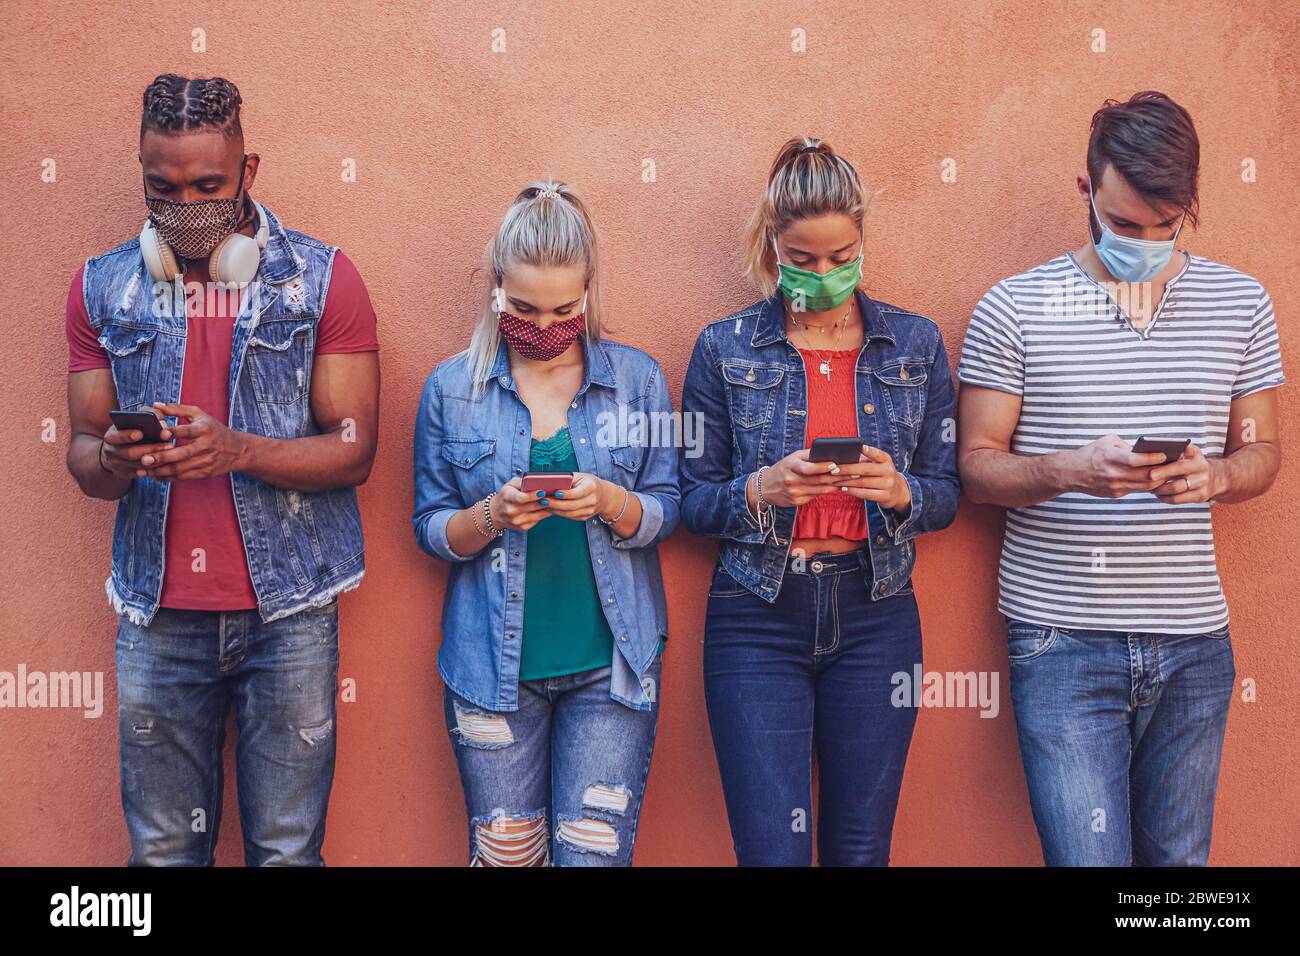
[{"x": 1026, "y": 641}]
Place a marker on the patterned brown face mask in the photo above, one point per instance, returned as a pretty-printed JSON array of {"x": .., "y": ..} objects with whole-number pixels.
[{"x": 193, "y": 229}]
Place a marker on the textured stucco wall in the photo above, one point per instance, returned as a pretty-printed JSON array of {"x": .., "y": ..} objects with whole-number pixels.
[{"x": 443, "y": 131}]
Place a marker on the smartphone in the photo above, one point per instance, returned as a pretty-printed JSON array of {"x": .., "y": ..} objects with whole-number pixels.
[
  {"x": 842, "y": 451},
  {"x": 546, "y": 481},
  {"x": 146, "y": 422},
  {"x": 1172, "y": 448}
]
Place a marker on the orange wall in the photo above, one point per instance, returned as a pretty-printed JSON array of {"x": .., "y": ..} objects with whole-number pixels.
[{"x": 443, "y": 132}]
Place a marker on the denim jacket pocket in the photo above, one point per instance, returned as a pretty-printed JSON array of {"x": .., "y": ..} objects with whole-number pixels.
[
  {"x": 472, "y": 460},
  {"x": 130, "y": 351},
  {"x": 1026, "y": 641},
  {"x": 751, "y": 391},
  {"x": 903, "y": 385},
  {"x": 627, "y": 458},
  {"x": 277, "y": 357}
]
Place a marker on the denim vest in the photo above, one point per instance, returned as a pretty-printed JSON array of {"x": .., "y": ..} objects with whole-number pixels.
[
  {"x": 747, "y": 381},
  {"x": 466, "y": 447},
  {"x": 302, "y": 547}
]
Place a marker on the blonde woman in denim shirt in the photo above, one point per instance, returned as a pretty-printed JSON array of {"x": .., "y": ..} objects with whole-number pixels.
[
  {"x": 811, "y": 615},
  {"x": 554, "y": 618}
]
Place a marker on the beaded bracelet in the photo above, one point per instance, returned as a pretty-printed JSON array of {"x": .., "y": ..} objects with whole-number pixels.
[
  {"x": 473, "y": 517},
  {"x": 491, "y": 531},
  {"x": 487, "y": 517}
]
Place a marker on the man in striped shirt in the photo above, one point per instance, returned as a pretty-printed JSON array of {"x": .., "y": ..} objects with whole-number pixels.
[{"x": 1121, "y": 663}]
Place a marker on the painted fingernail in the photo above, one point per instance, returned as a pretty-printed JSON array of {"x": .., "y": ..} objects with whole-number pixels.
[
  {"x": 541, "y": 494},
  {"x": 546, "y": 503},
  {"x": 559, "y": 494}
]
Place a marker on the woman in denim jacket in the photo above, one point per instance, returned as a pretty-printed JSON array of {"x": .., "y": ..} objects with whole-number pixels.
[
  {"x": 811, "y": 619},
  {"x": 554, "y": 618}
]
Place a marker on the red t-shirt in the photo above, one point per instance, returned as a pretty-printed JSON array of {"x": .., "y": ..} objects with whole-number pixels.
[{"x": 201, "y": 512}]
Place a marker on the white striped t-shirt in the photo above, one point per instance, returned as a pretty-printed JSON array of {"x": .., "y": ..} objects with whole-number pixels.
[{"x": 1053, "y": 337}]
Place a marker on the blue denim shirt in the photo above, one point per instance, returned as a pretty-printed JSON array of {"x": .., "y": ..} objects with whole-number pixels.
[
  {"x": 467, "y": 447},
  {"x": 302, "y": 547},
  {"x": 747, "y": 381}
]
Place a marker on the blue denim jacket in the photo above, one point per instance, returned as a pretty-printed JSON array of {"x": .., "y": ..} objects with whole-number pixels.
[
  {"x": 302, "y": 547},
  {"x": 466, "y": 448},
  {"x": 747, "y": 382}
]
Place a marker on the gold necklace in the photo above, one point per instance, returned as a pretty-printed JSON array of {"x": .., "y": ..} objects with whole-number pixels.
[{"x": 825, "y": 367}]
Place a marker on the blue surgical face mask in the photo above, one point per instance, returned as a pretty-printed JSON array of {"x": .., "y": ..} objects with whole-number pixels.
[{"x": 1128, "y": 259}]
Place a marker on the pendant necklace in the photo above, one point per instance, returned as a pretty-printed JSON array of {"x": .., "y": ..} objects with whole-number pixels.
[{"x": 825, "y": 367}]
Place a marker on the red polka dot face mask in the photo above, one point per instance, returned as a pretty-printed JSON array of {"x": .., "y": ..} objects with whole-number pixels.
[{"x": 540, "y": 344}]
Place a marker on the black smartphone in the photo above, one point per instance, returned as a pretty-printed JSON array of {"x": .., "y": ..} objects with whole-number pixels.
[
  {"x": 1172, "y": 448},
  {"x": 146, "y": 422},
  {"x": 842, "y": 451}
]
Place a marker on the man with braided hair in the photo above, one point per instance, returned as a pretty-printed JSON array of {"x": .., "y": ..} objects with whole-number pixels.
[{"x": 237, "y": 525}]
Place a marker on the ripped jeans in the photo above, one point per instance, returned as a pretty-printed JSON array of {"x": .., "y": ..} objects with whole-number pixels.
[
  {"x": 176, "y": 680},
  {"x": 561, "y": 779}
]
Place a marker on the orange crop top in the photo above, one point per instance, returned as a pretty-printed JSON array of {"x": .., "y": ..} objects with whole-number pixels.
[{"x": 832, "y": 413}]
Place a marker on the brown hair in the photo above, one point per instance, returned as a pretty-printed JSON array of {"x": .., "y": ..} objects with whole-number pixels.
[
  {"x": 807, "y": 179},
  {"x": 1151, "y": 141}
]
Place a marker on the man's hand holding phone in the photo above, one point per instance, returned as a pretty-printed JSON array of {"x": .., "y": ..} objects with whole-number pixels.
[
  {"x": 1192, "y": 478},
  {"x": 1110, "y": 468},
  {"x": 123, "y": 448}
]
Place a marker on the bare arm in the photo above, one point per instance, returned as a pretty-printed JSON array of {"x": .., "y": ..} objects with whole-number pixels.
[
  {"x": 1251, "y": 458},
  {"x": 992, "y": 474},
  {"x": 95, "y": 443}
]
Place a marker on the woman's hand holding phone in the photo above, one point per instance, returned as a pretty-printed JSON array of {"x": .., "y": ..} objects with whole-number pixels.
[
  {"x": 588, "y": 497},
  {"x": 794, "y": 480},
  {"x": 515, "y": 508},
  {"x": 875, "y": 478}
]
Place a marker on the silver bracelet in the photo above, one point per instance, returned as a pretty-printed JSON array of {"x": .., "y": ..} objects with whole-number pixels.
[{"x": 627, "y": 497}]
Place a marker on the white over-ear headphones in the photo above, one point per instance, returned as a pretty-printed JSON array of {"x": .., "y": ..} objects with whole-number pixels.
[{"x": 235, "y": 260}]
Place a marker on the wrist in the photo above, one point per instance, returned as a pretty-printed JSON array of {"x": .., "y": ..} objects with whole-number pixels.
[
  {"x": 246, "y": 451},
  {"x": 613, "y": 512},
  {"x": 1067, "y": 469},
  {"x": 902, "y": 499},
  {"x": 606, "y": 504},
  {"x": 1219, "y": 479}
]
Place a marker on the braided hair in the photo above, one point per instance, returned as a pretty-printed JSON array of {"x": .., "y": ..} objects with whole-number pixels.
[{"x": 174, "y": 104}]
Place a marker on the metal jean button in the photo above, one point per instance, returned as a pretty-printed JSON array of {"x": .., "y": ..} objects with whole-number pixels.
[{"x": 817, "y": 567}]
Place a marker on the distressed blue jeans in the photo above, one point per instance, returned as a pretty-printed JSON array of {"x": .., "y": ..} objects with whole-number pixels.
[
  {"x": 810, "y": 674},
  {"x": 176, "y": 681},
  {"x": 560, "y": 780},
  {"x": 1120, "y": 736}
]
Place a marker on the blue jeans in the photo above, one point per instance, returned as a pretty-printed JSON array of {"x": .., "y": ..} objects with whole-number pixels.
[
  {"x": 176, "y": 680},
  {"x": 811, "y": 671},
  {"x": 1120, "y": 736},
  {"x": 570, "y": 754}
]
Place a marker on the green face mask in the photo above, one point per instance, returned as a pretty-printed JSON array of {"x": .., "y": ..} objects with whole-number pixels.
[{"x": 819, "y": 292}]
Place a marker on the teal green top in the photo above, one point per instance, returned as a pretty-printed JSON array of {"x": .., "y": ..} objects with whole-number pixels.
[{"x": 565, "y": 631}]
